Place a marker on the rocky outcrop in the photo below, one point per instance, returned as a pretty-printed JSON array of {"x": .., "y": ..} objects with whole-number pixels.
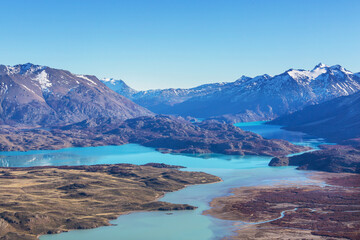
[
  {"x": 330, "y": 159},
  {"x": 279, "y": 161}
]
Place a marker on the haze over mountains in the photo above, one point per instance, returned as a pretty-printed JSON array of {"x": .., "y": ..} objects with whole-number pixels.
[
  {"x": 32, "y": 94},
  {"x": 249, "y": 99}
]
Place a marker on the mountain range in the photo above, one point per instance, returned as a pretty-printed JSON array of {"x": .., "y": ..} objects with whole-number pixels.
[
  {"x": 47, "y": 108},
  {"x": 39, "y": 95},
  {"x": 248, "y": 99},
  {"x": 336, "y": 120}
]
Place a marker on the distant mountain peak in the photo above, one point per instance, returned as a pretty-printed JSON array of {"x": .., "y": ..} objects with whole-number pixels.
[
  {"x": 336, "y": 67},
  {"x": 112, "y": 81},
  {"x": 243, "y": 78},
  {"x": 119, "y": 86},
  {"x": 264, "y": 76},
  {"x": 24, "y": 68},
  {"x": 340, "y": 68},
  {"x": 301, "y": 74},
  {"x": 252, "y": 99},
  {"x": 320, "y": 65},
  {"x": 305, "y": 74}
]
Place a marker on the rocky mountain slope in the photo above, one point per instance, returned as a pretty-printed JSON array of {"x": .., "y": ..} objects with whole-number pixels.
[
  {"x": 165, "y": 133},
  {"x": 336, "y": 120},
  {"x": 40, "y": 95},
  {"x": 250, "y": 99}
]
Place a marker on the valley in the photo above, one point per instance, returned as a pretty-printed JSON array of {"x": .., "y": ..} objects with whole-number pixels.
[
  {"x": 235, "y": 171},
  {"x": 179, "y": 120},
  {"x": 62, "y": 131}
]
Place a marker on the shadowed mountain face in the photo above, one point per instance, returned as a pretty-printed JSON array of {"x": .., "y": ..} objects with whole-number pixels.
[
  {"x": 166, "y": 133},
  {"x": 336, "y": 120},
  {"x": 331, "y": 158},
  {"x": 39, "y": 95},
  {"x": 180, "y": 136},
  {"x": 250, "y": 99}
]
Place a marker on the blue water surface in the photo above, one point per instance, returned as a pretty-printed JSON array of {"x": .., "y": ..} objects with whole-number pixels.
[{"x": 236, "y": 171}]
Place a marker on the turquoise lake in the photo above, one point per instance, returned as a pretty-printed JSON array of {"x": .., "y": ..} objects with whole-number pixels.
[{"x": 236, "y": 171}]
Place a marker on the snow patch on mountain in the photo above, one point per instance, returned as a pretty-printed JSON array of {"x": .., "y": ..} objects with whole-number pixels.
[
  {"x": 3, "y": 88},
  {"x": 267, "y": 96},
  {"x": 43, "y": 80},
  {"x": 86, "y": 78},
  {"x": 112, "y": 81},
  {"x": 38, "y": 95},
  {"x": 310, "y": 75},
  {"x": 119, "y": 86},
  {"x": 27, "y": 88},
  {"x": 321, "y": 65}
]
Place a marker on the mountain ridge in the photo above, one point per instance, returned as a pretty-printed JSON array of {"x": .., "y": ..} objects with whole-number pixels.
[
  {"x": 40, "y": 95},
  {"x": 263, "y": 97}
]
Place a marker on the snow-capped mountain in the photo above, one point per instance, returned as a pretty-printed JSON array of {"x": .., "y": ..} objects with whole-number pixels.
[
  {"x": 33, "y": 94},
  {"x": 250, "y": 99},
  {"x": 118, "y": 86},
  {"x": 160, "y": 99}
]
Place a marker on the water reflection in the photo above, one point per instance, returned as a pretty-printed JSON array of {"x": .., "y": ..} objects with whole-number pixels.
[
  {"x": 136, "y": 154},
  {"x": 51, "y": 159}
]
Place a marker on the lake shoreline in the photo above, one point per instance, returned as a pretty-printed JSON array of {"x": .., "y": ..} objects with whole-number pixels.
[
  {"x": 164, "y": 133},
  {"x": 234, "y": 170},
  {"x": 48, "y": 200},
  {"x": 283, "y": 211}
]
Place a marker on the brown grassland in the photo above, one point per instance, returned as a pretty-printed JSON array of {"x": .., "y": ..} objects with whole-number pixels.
[{"x": 45, "y": 200}]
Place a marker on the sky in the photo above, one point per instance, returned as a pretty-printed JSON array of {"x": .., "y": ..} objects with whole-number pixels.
[{"x": 182, "y": 43}]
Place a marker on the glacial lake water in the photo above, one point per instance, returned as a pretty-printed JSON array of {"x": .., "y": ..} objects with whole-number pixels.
[{"x": 236, "y": 171}]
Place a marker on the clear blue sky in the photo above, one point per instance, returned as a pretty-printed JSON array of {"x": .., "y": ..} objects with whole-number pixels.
[{"x": 183, "y": 43}]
